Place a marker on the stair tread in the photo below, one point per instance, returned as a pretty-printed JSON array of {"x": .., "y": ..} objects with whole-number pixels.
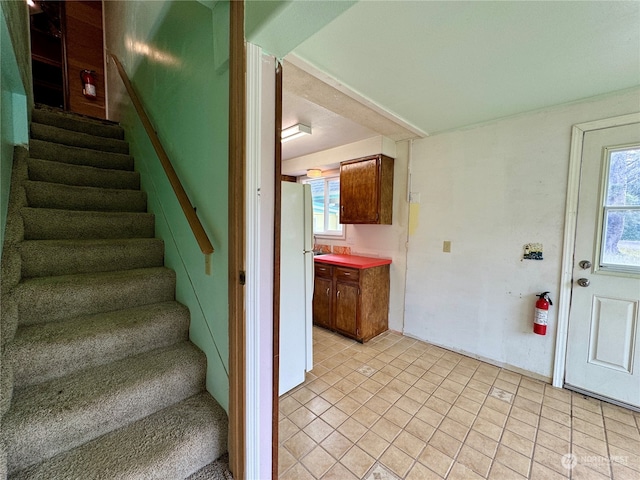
[
  {"x": 172, "y": 443},
  {"x": 41, "y": 131},
  {"x": 81, "y": 175},
  {"x": 43, "y": 149},
  {"x": 77, "y": 122},
  {"x": 42, "y": 352},
  {"x": 63, "y": 413},
  {"x": 46, "y": 299},
  {"x": 72, "y": 197}
]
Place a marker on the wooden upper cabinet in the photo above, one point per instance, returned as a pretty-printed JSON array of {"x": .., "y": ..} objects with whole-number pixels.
[{"x": 366, "y": 190}]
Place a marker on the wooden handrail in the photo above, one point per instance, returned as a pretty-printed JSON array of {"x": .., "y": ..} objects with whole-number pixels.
[{"x": 194, "y": 222}]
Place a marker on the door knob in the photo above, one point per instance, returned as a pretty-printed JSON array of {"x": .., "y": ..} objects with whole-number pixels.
[
  {"x": 584, "y": 282},
  {"x": 585, "y": 264}
]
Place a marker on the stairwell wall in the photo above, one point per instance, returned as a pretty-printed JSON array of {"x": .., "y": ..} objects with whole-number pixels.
[
  {"x": 176, "y": 55},
  {"x": 14, "y": 89}
]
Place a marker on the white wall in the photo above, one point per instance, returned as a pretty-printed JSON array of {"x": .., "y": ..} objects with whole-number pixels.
[
  {"x": 490, "y": 190},
  {"x": 388, "y": 241}
]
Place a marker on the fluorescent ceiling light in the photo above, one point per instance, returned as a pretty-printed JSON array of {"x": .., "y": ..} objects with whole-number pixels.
[
  {"x": 296, "y": 131},
  {"x": 314, "y": 173}
]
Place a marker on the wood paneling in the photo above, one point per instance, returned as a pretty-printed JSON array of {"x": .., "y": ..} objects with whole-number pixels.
[
  {"x": 237, "y": 133},
  {"x": 84, "y": 51}
]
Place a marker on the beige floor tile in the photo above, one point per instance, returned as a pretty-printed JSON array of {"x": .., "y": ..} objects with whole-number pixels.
[
  {"x": 420, "y": 472},
  {"x": 285, "y": 460},
  {"x": 360, "y": 395},
  {"x": 318, "y": 462},
  {"x": 348, "y": 405},
  {"x": 481, "y": 443},
  {"x": 580, "y": 472},
  {"x": 534, "y": 396},
  {"x": 389, "y": 394},
  {"x": 386, "y": 429},
  {"x": 318, "y": 430},
  {"x": 318, "y": 405},
  {"x": 598, "y": 447},
  {"x": 303, "y": 394},
  {"x": 517, "y": 443},
  {"x": 437, "y": 461},
  {"x": 420, "y": 429},
  {"x": 437, "y": 404},
  {"x": 501, "y": 472},
  {"x": 513, "y": 460},
  {"x": 455, "y": 429},
  {"x": 556, "y": 415},
  {"x": 588, "y": 416},
  {"x": 445, "y": 443},
  {"x": 625, "y": 443},
  {"x": 493, "y": 416},
  {"x": 621, "y": 472},
  {"x": 552, "y": 442},
  {"x": 561, "y": 406},
  {"x": 408, "y": 404},
  {"x": 488, "y": 429},
  {"x": 540, "y": 472},
  {"x": 366, "y": 417},
  {"x": 297, "y": 472},
  {"x": 357, "y": 461},
  {"x": 373, "y": 444},
  {"x": 510, "y": 377},
  {"x": 286, "y": 428},
  {"x": 554, "y": 428},
  {"x": 617, "y": 413},
  {"x": 523, "y": 429},
  {"x": 352, "y": 429},
  {"x": 462, "y": 472},
  {"x": 430, "y": 416},
  {"x": 287, "y": 405},
  {"x": 339, "y": 472},
  {"x": 302, "y": 417},
  {"x": 474, "y": 394},
  {"x": 474, "y": 460},
  {"x": 409, "y": 443},
  {"x": 498, "y": 405},
  {"x": 318, "y": 386},
  {"x": 332, "y": 395},
  {"x": 528, "y": 405},
  {"x": 397, "y": 416},
  {"x": 629, "y": 430},
  {"x": 557, "y": 393},
  {"x": 337, "y": 445},
  {"x": 334, "y": 417},
  {"x": 299, "y": 445},
  {"x": 397, "y": 461},
  {"x": 506, "y": 386},
  {"x": 550, "y": 459},
  {"x": 586, "y": 403}
]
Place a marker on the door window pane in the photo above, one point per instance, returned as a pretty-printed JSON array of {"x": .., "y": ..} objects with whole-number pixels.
[
  {"x": 623, "y": 187},
  {"x": 620, "y": 245}
]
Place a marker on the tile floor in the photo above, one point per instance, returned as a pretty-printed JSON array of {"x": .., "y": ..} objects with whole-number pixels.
[{"x": 397, "y": 408}]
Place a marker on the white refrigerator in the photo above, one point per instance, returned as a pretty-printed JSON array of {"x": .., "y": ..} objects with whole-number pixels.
[{"x": 296, "y": 285}]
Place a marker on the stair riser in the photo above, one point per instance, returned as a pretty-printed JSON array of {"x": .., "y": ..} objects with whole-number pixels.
[
  {"x": 45, "y": 224},
  {"x": 75, "y": 139},
  {"x": 50, "y": 430},
  {"x": 78, "y": 124},
  {"x": 42, "y": 354},
  {"x": 82, "y": 176},
  {"x": 41, "y": 258},
  {"x": 79, "y": 156},
  {"x": 53, "y": 300},
  {"x": 66, "y": 197}
]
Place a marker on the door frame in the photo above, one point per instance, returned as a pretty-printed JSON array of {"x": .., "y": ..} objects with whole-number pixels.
[{"x": 570, "y": 222}]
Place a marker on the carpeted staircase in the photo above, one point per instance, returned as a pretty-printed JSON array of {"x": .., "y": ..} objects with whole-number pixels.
[{"x": 99, "y": 379}]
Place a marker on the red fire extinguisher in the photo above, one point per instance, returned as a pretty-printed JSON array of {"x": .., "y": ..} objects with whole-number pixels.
[
  {"x": 88, "y": 84},
  {"x": 542, "y": 313}
]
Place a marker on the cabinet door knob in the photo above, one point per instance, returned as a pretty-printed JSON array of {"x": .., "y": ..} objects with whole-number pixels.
[
  {"x": 338, "y": 294},
  {"x": 327, "y": 291}
]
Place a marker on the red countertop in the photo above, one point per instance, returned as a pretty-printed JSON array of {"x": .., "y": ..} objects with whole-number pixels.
[{"x": 353, "y": 261}]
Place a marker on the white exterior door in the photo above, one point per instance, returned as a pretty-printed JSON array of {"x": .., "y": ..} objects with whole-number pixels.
[{"x": 603, "y": 347}]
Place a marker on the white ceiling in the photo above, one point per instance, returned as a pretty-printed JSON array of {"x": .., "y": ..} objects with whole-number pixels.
[{"x": 437, "y": 66}]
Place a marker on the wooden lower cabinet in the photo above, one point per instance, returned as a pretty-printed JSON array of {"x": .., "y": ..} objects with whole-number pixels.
[{"x": 351, "y": 301}]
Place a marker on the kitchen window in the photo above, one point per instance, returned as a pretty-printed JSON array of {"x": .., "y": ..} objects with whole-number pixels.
[{"x": 325, "y": 197}]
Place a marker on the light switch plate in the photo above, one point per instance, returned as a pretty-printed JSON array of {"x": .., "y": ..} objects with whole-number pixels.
[{"x": 446, "y": 246}]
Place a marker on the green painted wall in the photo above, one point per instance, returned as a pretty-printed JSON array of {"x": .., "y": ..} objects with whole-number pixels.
[
  {"x": 14, "y": 83},
  {"x": 175, "y": 53},
  {"x": 279, "y": 26}
]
